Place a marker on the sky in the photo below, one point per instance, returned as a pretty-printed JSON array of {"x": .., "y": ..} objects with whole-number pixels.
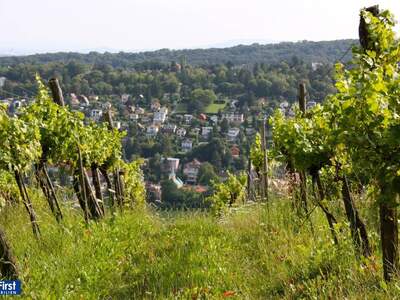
[{"x": 33, "y": 26}]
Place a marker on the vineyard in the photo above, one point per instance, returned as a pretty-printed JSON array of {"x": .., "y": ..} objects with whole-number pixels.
[{"x": 309, "y": 219}]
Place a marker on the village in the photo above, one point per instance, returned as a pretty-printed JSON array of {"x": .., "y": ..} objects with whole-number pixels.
[{"x": 151, "y": 120}]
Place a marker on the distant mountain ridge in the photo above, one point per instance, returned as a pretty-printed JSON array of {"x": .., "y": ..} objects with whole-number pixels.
[{"x": 323, "y": 51}]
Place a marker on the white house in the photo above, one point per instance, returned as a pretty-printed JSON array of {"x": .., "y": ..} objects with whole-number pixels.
[
  {"x": 191, "y": 171},
  {"x": 206, "y": 130},
  {"x": 181, "y": 132},
  {"x": 233, "y": 134},
  {"x": 133, "y": 117},
  {"x": 233, "y": 117},
  {"x": 169, "y": 128},
  {"x": 2, "y": 81},
  {"x": 159, "y": 117},
  {"x": 311, "y": 104},
  {"x": 96, "y": 114},
  {"x": 170, "y": 164},
  {"x": 188, "y": 118},
  {"x": 214, "y": 119},
  {"x": 139, "y": 110},
  {"x": 125, "y": 98},
  {"x": 152, "y": 130},
  {"x": 155, "y": 105},
  {"x": 187, "y": 145}
]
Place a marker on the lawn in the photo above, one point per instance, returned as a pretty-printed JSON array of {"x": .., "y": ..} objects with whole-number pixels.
[
  {"x": 213, "y": 108},
  {"x": 254, "y": 253}
]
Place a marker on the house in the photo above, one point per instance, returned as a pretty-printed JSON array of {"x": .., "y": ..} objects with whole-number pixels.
[
  {"x": 155, "y": 105},
  {"x": 169, "y": 128},
  {"x": 152, "y": 130},
  {"x": 2, "y": 81},
  {"x": 311, "y": 104},
  {"x": 107, "y": 105},
  {"x": 96, "y": 114},
  {"x": 203, "y": 117},
  {"x": 206, "y": 131},
  {"x": 145, "y": 119},
  {"x": 154, "y": 191},
  {"x": 233, "y": 134},
  {"x": 187, "y": 145},
  {"x": 195, "y": 131},
  {"x": 316, "y": 65},
  {"x": 181, "y": 132},
  {"x": 214, "y": 119},
  {"x": 93, "y": 98},
  {"x": 235, "y": 151},
  {"x": 159, "y": 117},
  {"x": 188, "y": 118},
  {"x": 284, "y": 105},
  {"x": 176, "y": 180},
  {"x": 233, "y": 104},
  {"x": 164, "y": 110},
  {"x": 250, "y": 131},
  {"x": 170, "y": 164},
  {"x": 133, "y": 117},
  {"x": 233, "y": 117},
  {"x": 83, "y": 100},
  {"x": 191, "y": 171},
  {"x": 125, "y": 98},
  {"x": 74, "y": 99},
  {"x": 139, "y": 110}
]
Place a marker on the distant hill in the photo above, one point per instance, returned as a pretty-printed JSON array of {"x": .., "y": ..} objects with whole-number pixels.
[{"x": 325, "y": 52}]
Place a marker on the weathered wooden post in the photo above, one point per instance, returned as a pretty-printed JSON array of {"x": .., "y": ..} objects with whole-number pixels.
[
  {"x": 8, "y": 266},
  {"x": 264, "y": 175},
  {"x": 387, "y": 211},
  {"x": 302, "y": 174},
  {"x": 56, "y": 91}
]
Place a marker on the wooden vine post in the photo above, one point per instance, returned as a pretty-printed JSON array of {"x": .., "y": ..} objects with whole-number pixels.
[
  {"x": 264, "y": 175},
  {"x": 387, "y": 208},
  {"x": 118, "y": 182},
  {"x": 86, "y": 197},
  {"x": 302, "y": 174},
  {"x": 8, "y": 266},
  {"x": 316, "y": 179}
]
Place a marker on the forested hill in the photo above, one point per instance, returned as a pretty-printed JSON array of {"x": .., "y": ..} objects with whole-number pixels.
[{"x": 325, "y": 52}]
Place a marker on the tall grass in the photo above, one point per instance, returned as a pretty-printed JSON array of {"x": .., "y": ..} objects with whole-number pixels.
[{"x": 254, "y": 253}]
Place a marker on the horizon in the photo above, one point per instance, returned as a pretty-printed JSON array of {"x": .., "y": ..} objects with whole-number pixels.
[
  {"x": 139, "y": 26},
  {"x": 222, "y": 45}
]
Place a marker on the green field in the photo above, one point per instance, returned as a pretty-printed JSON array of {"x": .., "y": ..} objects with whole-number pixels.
[
  {"x": 210, "y": 109},
  {"x": 254, "y": 253}
]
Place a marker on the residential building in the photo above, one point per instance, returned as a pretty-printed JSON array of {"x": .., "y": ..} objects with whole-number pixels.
[
  {"x": 159, "y": 117},
  {"x": 125, "y": 98},
  {"x": 2, "y": 81},
  {"x": 96, "y": 114},
  {"x": 311, "y": 104},
  {"x": 155, "y": 105},
  {"x": 188, "y": 118},
  {"x": 93, "y": 98},
  {"x": 206, "y": 131},
  {"x": 191, "y": 171},
  {"x": 169, "y": 128},
  {"x": 181, "y": 132},
  {"x": 170, "y": 165},
  {"x": 233, "y": 117},
  {"x": 233, "y": 134},
  {"x": 133, "y": 117},
  {"x": 235, "y": 151},
  {"x": 152, "y": 130},
  {"x": 139, "y": 110},
  {"x": 214, "y": 119},
  {"x": 187, "y": 145}
]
